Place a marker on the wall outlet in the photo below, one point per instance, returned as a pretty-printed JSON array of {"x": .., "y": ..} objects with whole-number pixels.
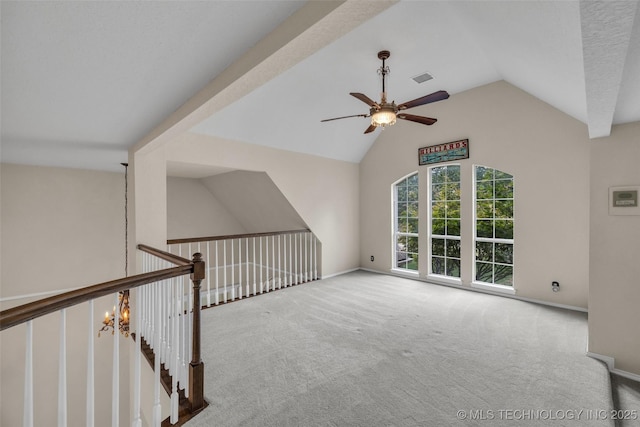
[
  {"x": 555, "y": 286},
  {"x": 372, "y": 258}
]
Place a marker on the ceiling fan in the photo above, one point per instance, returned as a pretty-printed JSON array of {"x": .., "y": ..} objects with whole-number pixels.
[{"x": 385, "y": 113}]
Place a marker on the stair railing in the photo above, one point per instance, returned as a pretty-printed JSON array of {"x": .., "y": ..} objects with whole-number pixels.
[
  {"x": 149, "y": 287},
  {"x": 243, "y": 265}
]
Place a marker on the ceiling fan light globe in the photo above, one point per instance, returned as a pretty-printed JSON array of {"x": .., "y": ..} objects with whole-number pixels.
[{"x": 383, "y": 118}]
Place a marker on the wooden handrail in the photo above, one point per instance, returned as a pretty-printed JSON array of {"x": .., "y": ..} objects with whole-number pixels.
[
  {"x": 175, "y": 259},
  {"x": 235, "y": 236},
  {"x": 23, "y": 313}
]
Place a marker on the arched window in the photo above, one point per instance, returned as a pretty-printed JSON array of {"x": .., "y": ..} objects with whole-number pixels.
[
  {"x": 444, "y": 228},
  {"x": 493, "y": 226},
  {"x": 405, "y": 228}
]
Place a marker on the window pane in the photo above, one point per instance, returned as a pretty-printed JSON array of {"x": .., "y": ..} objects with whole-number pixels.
[
  {"x": 412, "y": 209},
  {"x": 453, "y": 173},
  {"x": 412, "y": 225},
  {"x": 402, "y": 193},
  {"x": 504, "y": 189},
  {"x": 453, "y": 227},
  {"x": 484, "y": 209},
  {"x": 412, "y": 244},
  {"x": 401, "y": 209},
  {"x": 437, "y": 226},
  {"x": 504, "y": 208},
  {"x": 504, "y": 253},
  {"x": 502, "y": 175},
  {"x": 412, "y": 193},
  {"x": 484, "y": 272},
  {"x": 438, "y": 210},
  {"x": 453, "y": 267},
  {"x": 484, "y": 190},
  {"x": 401, "y": 243},
  {"x": 453, "y": 191},
  {"x": 484, "y": 228},
  {"x": 504, "y": 229},
  {"x": 483, "y": 174},
  {"x": 403, "y": 225},
  {"x": 484, "y": 251},
  {"x": 453, "y": 209},
  {"x": 437, "y": 265},
  {"x": 437, "y": 247},
  {"x": 438, "y": 192},
  {"x": 412, "y": 262},
  {"x": 438, "y": 175},
  {"x": 453, "y": 248},
  {"x": 412, "y": 180},
  {"x": 504, "y": 275}
]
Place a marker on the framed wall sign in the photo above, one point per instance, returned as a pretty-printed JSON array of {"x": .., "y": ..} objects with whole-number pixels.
[
  {"x": 450, "y": 151},
  {"x": 624, "y": 200}
]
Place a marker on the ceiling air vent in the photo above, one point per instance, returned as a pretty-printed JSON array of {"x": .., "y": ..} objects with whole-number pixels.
[{"x": 424, "y": 77}]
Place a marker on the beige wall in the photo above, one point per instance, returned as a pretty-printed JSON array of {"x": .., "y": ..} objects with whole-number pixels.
[
  {"x": 614, "y": 289},
  {"x": 192, "y": 211},
  {"x": 322, "y": 191},
  {"x": 546, "y": 151},
  {"x": 61, "y": 228}
]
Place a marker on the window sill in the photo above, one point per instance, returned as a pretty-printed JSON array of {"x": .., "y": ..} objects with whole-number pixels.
[
  {"x": 436, "y": 278},
  {"x": 503, "y": 289},
  {"x": 405, "y": 272}
]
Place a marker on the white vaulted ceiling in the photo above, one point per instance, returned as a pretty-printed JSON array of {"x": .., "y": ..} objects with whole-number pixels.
[{"x": 84, "y": 81}]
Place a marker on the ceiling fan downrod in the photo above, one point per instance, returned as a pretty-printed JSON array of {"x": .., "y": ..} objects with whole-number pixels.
[{"x": 383, "y": 71}]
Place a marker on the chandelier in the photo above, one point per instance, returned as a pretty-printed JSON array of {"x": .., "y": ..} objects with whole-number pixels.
[
  {"x": 123, "y": 316},
  {"x": 123, "y": 297}
]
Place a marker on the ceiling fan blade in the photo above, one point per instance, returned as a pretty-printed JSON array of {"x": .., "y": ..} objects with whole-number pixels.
[
  {"x": 364, "y": 98},
  {"x": 345, "y": 117},
  {"x": 417, "y": 119},
  {"x": 427, "y": 99},
  {"x": 370, "y": 129}
]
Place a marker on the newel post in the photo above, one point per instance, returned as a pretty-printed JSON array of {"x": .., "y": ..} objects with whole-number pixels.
[{"x": 196, "y": 367}]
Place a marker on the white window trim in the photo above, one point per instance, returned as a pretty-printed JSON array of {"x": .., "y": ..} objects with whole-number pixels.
[
  {"x": 492, "y": 287},
  {"x": 394, "y": 229},
  {"x": 430, "y": 274}
]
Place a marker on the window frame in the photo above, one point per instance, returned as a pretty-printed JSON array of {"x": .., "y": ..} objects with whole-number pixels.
[
  {"x": 492, "y": 286},
  {"x": 395, "y": 233},
  {"x": 446, "y": 237}
]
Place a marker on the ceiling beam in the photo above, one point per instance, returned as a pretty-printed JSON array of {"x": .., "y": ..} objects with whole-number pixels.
[
  {"x": 312, "y": 27},
  {"x": 607, "y": 27}
]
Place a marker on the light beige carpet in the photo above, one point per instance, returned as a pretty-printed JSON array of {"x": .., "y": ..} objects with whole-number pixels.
[{"x": 365, "y": 349}]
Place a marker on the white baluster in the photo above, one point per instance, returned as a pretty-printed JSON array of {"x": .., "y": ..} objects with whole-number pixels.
[
  {"x": 261, "y": 285},
  {"x": 216, "y": 296},
  {"x": 246, "y": 264},
  {"x": 254, "y": 266},
  {"x": 239, "y": 268},
  {"x": 62, "y": 371},
  {"x": 174, "y": 301},
  {"x": 273, "y": 262},
  {"x": 224, "y": 256},
  {"x": 267, "y": 261},
  {"x": 290, "y": 262},
  {"x": 157, "y": 408},
  {"x": 27, "y": 417},
  {"x": 233, "y": 272},
  {"x": 137, "y": 420},
  {"x": 279, "y": 265},
  {"x": 208, "y": 277},
  {"x": 306, "y": 258},
  {"x": 90, "y": 418},
  {"x": 115, "y": 380},
  {"x": 284, "y": 259},
  {"x": 295, "y": 254}
]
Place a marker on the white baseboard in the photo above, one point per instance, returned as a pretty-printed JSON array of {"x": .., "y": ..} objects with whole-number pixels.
[
  {"x": 340, "y": 273},
  {"x": 481, "y": 290},
  {"x": 611, "y": 363}
]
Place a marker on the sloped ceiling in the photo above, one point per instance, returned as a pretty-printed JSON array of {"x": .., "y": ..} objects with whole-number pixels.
[{"x": 82, "y": 82}]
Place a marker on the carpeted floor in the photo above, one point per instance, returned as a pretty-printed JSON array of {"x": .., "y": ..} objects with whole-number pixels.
[{"x": 365, "y": 349}]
